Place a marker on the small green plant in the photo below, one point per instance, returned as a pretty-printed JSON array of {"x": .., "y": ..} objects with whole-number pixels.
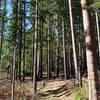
[
  {"x": 52, "y": 98},
  {"x": 28, "y": 72},
  {"x": 82, "y": 94},
  {"x": 23, "y": 98}
]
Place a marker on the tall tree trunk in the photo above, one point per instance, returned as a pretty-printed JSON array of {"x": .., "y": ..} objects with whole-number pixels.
[
  {"x": 33, "y": 41},
  {"x": 57, "y": 48},
  {"x": 90, "y": 40},
  {"x": 38, "y": 61},
  {"x": 70, "y": 66},
  {"x": 2, "y": 29},
  {"x": 98, "y": 33},
  {"x": 57, "y": 52},
  {"x": 73, "y": 44},
  {"x": 15, "y": 35},
  {"x": 24, "y": 38},
  {"x": 41, "y": 49},
  {"x": 64, "y": 49},
  {"x": 20, "y": 38},
  {"x": 14, "y": 30},
  {"x": 35, "y": 51},
  {"x": 80, "y": 64},
  {"x": 48, "y": 51},
  {"x": 13, "y": 75}
]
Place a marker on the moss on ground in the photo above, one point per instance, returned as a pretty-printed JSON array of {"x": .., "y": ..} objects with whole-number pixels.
[{"x": 82, "y": 94}]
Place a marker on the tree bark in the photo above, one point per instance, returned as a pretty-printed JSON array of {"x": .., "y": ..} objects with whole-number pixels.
[
  {"x": 64, "y": 49},
  {"x": 33, "y": 41},
  {"x": 24, "y": 38},
  {"x": 20, "y": 38},
  {"x": 35, "y": 51},
  {"x": 41, "y": 50},
  {"x": 2, "y": 30},
  {"x": 90, "y": 40},
  {"x": 73, "y": 44},
  {"x": 57, "y": 47},
  {"x": 98, "y": 33},
  {"x": 48, "y": 51},
  {"x": 13, "y": 75},
  {"x": 80, "y": 64}
]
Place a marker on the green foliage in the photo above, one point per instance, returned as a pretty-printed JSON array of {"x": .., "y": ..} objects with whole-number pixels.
[
  {"x": 23, "y": 98},
  {"x": 28, "y": 72},
  {"x": 82, "y": 94},
  {"x": 52, "y": 98},
  {"x": 6, "y": 57},
  {"x": 96, "y": 5}
]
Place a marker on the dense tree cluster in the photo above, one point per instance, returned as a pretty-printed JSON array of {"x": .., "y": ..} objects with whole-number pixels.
[{"x": 45, "y": 39}]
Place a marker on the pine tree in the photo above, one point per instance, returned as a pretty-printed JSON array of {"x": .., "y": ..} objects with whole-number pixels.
[
  {"x": 35, "y": 52},
  {"x": 64, "y": 49},
  {"x": 90, "y": 40},
  {"x": 3, "y": 13},
  {"x": 98, "y": 32},
  {"x": 74, "y": 44}
]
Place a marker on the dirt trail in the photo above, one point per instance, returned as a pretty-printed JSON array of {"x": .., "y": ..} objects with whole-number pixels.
[
  {"x": 54, "y": 90},
  {"x": 58, "y": 90}
]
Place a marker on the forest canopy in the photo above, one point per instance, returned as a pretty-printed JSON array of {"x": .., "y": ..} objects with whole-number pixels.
[{"x": 49, "y": 42}]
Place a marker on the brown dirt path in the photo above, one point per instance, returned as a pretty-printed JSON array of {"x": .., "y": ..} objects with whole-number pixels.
[{"x": 54, "y": 90}]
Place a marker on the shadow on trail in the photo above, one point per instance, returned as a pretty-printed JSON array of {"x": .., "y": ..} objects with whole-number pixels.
[{"x": 62, "y": 90}]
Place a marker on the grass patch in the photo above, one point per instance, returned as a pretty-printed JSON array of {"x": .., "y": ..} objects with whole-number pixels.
[{"x": 82, "y": 94}]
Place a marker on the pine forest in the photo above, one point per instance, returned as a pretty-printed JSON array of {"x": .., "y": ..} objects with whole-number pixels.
[{"x": 49, "y": 49}]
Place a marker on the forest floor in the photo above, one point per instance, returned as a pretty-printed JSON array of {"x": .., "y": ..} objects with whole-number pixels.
[{"x": 57, "y": 89}]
